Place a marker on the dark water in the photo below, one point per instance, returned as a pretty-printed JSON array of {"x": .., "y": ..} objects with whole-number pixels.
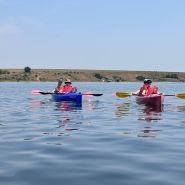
[{"x": 105, "y": 141}]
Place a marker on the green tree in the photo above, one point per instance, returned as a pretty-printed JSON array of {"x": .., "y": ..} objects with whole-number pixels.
[
  {"x": 99, "y": 76},
  {"x": 172, "y": 76},
  {"x": 3, "y": 72},
  {"x": 140, "y": 78},
  {"x": 27, "y": 69}
]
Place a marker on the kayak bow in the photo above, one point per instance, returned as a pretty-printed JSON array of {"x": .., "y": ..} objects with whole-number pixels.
[
  {"x": 154, "y": 99},
  {"x": 76, "y": 97}
]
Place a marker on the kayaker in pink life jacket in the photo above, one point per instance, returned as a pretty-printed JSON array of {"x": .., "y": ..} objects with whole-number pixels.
[
  {"x": 68, "y": 88},
  {"x": 59, "y": 88},
  {"x": 147, "y": 89}
]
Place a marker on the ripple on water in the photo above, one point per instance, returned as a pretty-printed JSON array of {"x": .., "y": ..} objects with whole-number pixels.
[{"x": 105, "y": 141}]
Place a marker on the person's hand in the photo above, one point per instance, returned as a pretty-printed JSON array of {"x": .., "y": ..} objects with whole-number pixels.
[{"x": 74, "y": 89}]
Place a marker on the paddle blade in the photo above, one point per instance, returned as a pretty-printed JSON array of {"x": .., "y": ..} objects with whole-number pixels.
[
  {"x": 40, "y": 92},
  {"x": 92, "y": 94},
  {"x": 35, "y": 92},
  {"x": 45, "y": 93},
  {"x": 181, "y": 95},
  {"x": 123, "y": 94},
  {"x": 96, "y": 94}
]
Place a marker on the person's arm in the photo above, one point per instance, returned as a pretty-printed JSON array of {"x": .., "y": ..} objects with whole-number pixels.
[
  {"x": 55, "y": 90},
  {"x": 61, "y": 89},
  {"x": 74, "y": 89},
  {"x": 156, "y": 90},
  {"x": 142, "y": 91},
  {"x": 136, "y": 92}
]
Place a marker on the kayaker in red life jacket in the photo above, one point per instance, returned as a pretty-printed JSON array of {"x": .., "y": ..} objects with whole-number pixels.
[
  {"x": 59, "y": 88},
  {"x": 147, "y": 89},
  {"x": 68, "y": 88}
]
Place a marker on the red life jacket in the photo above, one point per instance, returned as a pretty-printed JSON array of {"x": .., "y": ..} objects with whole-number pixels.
[
  {"x": 143, "y": 90},
  {"x": 67, "y": 89},
  {"x": 147, "y": 90},
  {"x": 59, "y": 89},
  {"x": 155, "y": 90}
]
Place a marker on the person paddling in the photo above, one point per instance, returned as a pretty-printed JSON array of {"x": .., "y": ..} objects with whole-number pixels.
[
  {"x": 68, "y": 88},
  {"x": 59, "y": 88},
  {"x": 147, "y": 89}
]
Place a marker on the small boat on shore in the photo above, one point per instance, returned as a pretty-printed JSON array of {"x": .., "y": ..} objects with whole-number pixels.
[
  {"x": 154, "y": 99},
  {"x": 75, "y": 97}
]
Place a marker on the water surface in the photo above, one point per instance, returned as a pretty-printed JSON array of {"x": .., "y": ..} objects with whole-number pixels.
[{"x": 107, "y": 140}]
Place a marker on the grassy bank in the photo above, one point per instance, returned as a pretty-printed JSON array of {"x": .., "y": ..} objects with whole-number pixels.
[{"x": 88, "y": 75}]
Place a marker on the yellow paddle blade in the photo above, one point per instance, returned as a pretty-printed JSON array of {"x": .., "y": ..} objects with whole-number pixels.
[
  {"x": 123, "y": 94},
  {"x": 181, "y": 95}
]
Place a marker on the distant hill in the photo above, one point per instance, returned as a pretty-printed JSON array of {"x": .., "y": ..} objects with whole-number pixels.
[{"x": 88, "y": 75}]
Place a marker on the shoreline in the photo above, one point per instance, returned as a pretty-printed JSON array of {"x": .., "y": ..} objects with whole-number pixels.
[{"x": 88, "y": 75}]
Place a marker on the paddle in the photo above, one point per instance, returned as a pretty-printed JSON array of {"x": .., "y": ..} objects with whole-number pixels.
[
  {"x": 126, "y": 94},
  {"x": 92, "y": 94},
  {"x": 180, "y": 95},
  {"x": 45, "y": 93},
  {"x": 40, "y": 92},
  {"x": 123, "y": 94}
]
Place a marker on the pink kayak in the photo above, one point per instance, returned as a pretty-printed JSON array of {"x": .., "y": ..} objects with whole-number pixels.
[{"x": 154, "y": 99}]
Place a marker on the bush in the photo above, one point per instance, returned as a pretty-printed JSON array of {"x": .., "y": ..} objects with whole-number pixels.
[
  {"x": 27, "y": 70},
  {"x": 140, "y": 78},
  {"x": 99, "y": 76},
  {"x": 3, "y": 72},
  {"x": 172, "y": 76},
  {"x": 118, "y": 78}
]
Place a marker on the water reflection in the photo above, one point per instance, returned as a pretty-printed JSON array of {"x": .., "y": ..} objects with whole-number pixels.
[
  {"x": 63, "y": 106},
  {"x": 68, "y": 106},
  {"x": 148, "y": 114},
  {"x": 67, "y": 115},
  {"x": 122, "y": 109},
  {"x": 181, "y": 108},
  {"x": 36, "y": 104},
  {"x": 67, "y": 120},
  {"x": 151, "y": 113},
  {"x": 148, "y": 132}
]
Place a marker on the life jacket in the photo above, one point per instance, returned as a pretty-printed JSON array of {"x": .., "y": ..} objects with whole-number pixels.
[
  {"x": 67, "y": 89},
  {"x": 148, "y": 90},
  {"x": 143, "y": 90},
  {"x": 59, "y": 89},
  {"x": 155, "y": 90}
]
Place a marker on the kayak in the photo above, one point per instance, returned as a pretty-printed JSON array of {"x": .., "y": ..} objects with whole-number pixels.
[
  {"x": 154, "y": 99},
  {"x": 75, "y": 97}
]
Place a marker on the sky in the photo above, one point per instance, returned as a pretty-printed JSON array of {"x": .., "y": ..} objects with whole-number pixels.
[{"x": 136, "y": 35}]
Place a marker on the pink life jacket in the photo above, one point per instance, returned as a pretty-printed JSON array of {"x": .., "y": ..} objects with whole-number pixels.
[
  {"x": 67, "y": 89},
  {"x": 146, "y": 90},
  {"x": 143, "y": 90},
  {"x": 155, "y": 90},
  {"x": 59, "y": 89},
  {"x": 149, "y": 90}
]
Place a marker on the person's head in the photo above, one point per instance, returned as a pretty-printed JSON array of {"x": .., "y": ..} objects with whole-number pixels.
[
  {"x": 68, "y": 82},
  {"x": 60, "y": 81},
  {"x": 147, "y": 81}
]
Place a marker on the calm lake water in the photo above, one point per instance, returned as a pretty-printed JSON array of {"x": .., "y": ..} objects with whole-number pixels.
[{"x": 107, "y": 140}]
